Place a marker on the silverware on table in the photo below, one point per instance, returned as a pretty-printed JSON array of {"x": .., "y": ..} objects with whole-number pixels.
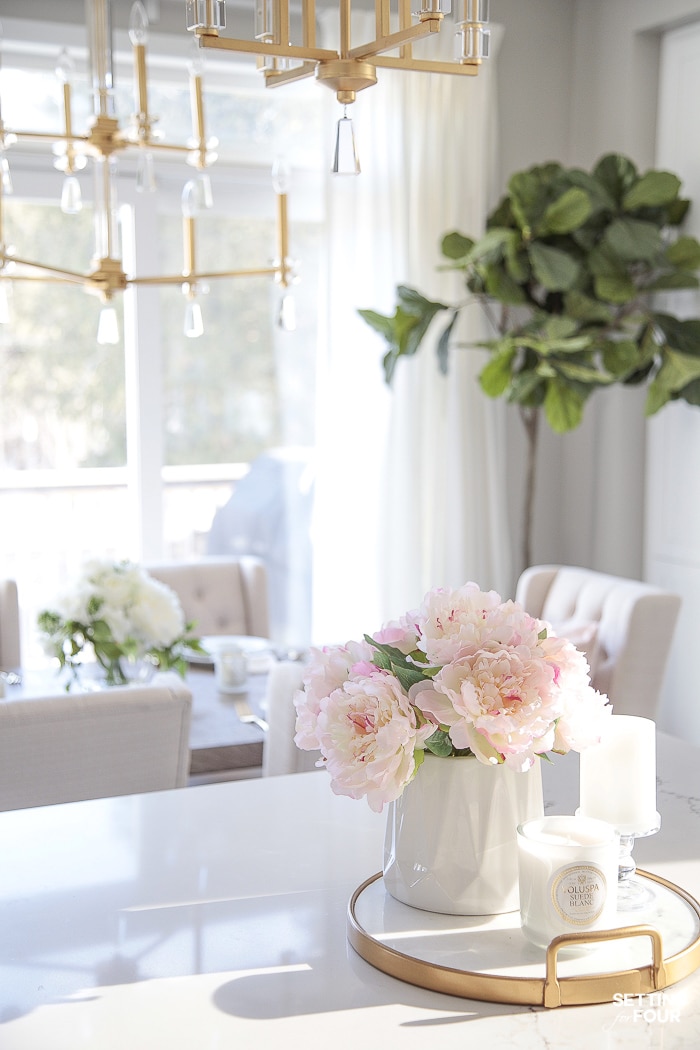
[{"x": 245, "y": 714}]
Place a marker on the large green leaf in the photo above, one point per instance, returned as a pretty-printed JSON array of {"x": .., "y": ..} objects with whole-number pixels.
[
  {"x": 621, "y": 357},
  {"x": 583, "y": 373},
  {"x": 583, "y": 308},
  {"x": 603, "y": 262},
  {"x": 653, "y": 189},
  {"x": 668, "y": 282},
  {"x": 555, "y": 269},
  {"x": 501, "y": 286},
  {"x": 491, "y": 246},
  {"x": 680, "y": 335},
  {"x": 599, "y": 196},
  {"x": 685, "y": 253},
  {"x": 567, "y": 213},
  {"x": 677, "y": 370},
  {"x": 495, "y": 377},
  {"x": 528, "y": 197},
  {"x": 456, "y": 245},
  {"x": 615, "y": 289},
  {"x": 563, "y": 406},
  {"x": 633, "y": 239},
  {"x": 616, "y": 173}
]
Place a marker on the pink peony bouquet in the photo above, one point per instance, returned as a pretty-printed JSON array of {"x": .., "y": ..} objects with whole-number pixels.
[{"x": 466, "y": 673}]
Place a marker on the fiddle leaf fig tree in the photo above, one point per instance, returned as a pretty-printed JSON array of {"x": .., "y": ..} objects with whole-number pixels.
[{"x": 568, "y": 272}]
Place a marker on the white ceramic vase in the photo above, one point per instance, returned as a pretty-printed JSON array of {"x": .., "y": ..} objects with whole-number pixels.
[{"x": 451, "y": 838}]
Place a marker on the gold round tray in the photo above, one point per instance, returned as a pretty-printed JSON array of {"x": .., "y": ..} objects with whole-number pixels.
[{"x": 488, "y": 958}]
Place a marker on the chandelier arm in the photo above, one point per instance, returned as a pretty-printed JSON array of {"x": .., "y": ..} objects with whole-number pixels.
[
  {"x": 191, "y": 278},
  {"x": 422, "y": 65},
  {"x": 45, "y": 272},
  {"x": 402, "y": 36},
  {"x": 275, "y": 78},
  {"x": 254, "y": 47}
]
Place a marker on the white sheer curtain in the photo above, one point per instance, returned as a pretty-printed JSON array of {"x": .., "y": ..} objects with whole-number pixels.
[{"x": 410, "y": 485}]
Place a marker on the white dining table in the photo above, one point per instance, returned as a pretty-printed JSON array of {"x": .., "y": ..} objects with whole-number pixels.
[{"x": 215, "y": 917}]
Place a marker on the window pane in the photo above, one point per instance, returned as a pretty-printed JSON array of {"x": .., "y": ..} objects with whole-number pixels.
[
  {"x": 63, "y": 395},
  {"x": 244, "y": 386}
]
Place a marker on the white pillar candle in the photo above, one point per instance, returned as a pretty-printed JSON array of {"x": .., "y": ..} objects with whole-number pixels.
[
  {"x": 618, "y": 776},
  {"x": 568, "y": 876}
]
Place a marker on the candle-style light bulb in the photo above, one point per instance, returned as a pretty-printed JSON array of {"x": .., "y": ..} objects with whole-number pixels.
[
  {"x": 145, "y": 174},
  {"x": 195, "y": 66},
  {"x": 138, "y": 24},
  {"x": 194, "y": 325},
  {"x": 108, "y": 326},
  {"x": 4, "y": 303},
  {"x": 65, "y": 67},
  {"x": 71, "y": 196},
  {"x": 189, "y": 200},
  {"x": 287, "y": 316},
  {"x": 205, "y": 197},
  {"x": 281, "y": 175},
  {"x": 5, "y": 175}
]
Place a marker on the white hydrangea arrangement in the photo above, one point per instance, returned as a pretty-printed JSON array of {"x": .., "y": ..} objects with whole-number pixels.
[{"x": 119, "y": 613}]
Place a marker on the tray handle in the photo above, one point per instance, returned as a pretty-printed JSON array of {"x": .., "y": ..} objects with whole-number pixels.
[{"x": 552, "y": 988}]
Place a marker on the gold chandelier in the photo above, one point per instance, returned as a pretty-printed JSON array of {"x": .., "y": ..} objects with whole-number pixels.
[
  {"x": 283, "y": 60},
  {"x": 350, "y": 69},
  {"x": 102, "y": 143}
]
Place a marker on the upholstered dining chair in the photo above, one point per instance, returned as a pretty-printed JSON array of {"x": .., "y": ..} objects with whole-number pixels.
[
  {"x": 74, "y": 746},
  {"x": 625, "y": 627},
  {"x": 280, "y": 753},
  {"x": 221, "y": 595},
  {"x": 10, "y": 655}
]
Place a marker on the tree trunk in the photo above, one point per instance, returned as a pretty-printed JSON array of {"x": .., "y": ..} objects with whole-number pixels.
[{"x": 531, "y": 420}]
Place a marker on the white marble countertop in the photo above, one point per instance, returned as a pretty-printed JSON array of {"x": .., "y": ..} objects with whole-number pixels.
[{"x": 214, "y": 917}]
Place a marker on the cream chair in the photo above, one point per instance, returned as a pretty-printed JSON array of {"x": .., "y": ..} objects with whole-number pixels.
[
  {"x": 9, "y": 625},
  {"x": 280, "y": 753},
  {"x": 624, "y": 626},
  {"x": 74, "y": 746},
  {"x": 220, "y": 595}
]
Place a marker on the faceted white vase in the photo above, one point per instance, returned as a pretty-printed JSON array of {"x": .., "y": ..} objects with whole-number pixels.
[{"x": 451, "y": 843}]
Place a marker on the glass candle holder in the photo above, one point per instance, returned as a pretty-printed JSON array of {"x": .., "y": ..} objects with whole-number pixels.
[
  {"x": 568, "y": 876},
  {"x": 231, "y": 670}
]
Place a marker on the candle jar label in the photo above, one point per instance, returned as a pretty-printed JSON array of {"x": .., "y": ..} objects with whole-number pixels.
[{"x": 578, "y": 893}]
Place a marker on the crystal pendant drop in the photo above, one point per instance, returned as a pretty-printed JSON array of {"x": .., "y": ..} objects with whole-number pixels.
[
  {"x": 287, "y": 316},
  {"x": 108, "y": 326},
  {"x": 71, "y": 197},
  {"x": 345, "y": 158},
  {"x": 145, "y": 174}
]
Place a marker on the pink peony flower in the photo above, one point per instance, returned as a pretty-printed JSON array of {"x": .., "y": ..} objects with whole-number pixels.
[
  {"x": 328, "y": 669},
  {"x": 368, "y": 733}
]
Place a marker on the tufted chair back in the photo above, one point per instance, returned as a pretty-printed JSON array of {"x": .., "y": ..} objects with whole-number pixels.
[
  {"x": 9, "y": 625},
  {"x": 67, "y": 747},
  {"x": 220, "y": 595},
  {"x": 624, "y": 626}
]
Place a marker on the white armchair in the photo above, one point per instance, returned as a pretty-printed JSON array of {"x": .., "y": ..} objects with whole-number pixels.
[
  {"x": 74, "y": 746},
  {"x": 280, "y": 753},
  {"x": 9, "y": 625},
  {"x": 220, "y": 595},
  {"x": 624, "y": 626}
]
